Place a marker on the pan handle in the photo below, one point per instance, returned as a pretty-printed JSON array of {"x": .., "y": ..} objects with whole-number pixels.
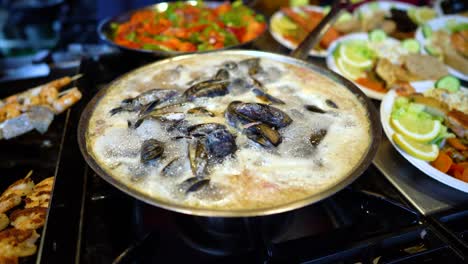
[{"x": 302, "y": 51}]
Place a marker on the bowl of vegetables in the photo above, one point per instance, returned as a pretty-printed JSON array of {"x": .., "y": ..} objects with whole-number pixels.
[{"x": 173, "y": 28}]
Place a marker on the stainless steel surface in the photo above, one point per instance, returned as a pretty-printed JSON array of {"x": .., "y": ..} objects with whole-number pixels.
[
  {"x": 366, "y": 159},
  {"x": 313, "y": 38},
  {"x": 104, "y": 31},
  {"x": 427, "y": 195}
]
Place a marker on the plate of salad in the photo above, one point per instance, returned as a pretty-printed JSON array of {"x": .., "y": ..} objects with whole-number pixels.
[
  {"x": 290, "y": 25},
  {"x": 446, "y": 38},
  {"x": 429, "y": 128},
  {"x": 173, "y": 28},
  {"x": 378, "y": 63}
]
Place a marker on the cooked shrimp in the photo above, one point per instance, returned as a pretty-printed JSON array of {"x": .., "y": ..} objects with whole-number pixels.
[
  {"x": 29, "y": 218},
  {"x": 21, "y": 187},
  {"x": 8, "y": 260},
  {"x": 11, "y": 197},
  {"x": 48, "y": 95},
  {"x": 64, "y": 102},
  {"x": 4, "y": 221},
  {"x": 40, "y": 196},
  {"x": 18, "y": 243},
  {"x": 10, "y": 110},
  {"x": 8, "y": 202}
]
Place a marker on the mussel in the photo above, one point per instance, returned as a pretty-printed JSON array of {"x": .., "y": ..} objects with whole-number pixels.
[
  {"x": 239, "y": 113},
  {"x": 193, "y": 184},
  {"x": 317, "y": 137},
  {"x": 151, "y": 149},
  {"x": 170, "y": 169},
  {"x": 252, "y": 64},
  {"x": 220, "y": 144},
  {"x": 263, "y": 135},
  {"x": 221, "y": 74},
  {"x": 209, "y": 88},
  {"x": 200, "y": 111},
  {"x": 204, "y": 128},
  {"x": 315, "y": 109},
  {"x": 331, "y": 104},
  {"x": 154, "y": 96},
  {"x": 198, "y": 157}
]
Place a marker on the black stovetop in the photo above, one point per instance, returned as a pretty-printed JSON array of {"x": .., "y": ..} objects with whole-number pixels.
[{"x": 368, "y": 222}]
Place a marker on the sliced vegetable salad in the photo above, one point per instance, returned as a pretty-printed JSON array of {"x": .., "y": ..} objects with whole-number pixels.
[
  {"x": 429, "y": 129},
  {"x": 185, "y": 27}
]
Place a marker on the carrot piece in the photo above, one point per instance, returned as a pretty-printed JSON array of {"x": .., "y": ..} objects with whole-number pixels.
[
  {"x": 371, "y": 84},
  {"x": 443, "y": 162},
  {"x": 463, "y": 164},
  {"x": 462, "y": 176},
  {"x": 456, "y": 167},
  {"x": 456, "y": 143}
]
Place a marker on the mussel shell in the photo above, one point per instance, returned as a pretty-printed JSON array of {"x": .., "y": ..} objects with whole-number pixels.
[
  {"x": 204, "y": 128},
  {"x": 266, "y": 97},
  {"x": 193, "y": 184},
  {"x": 263, "y": 135},
  {"x": 252, "y": 64},
  {"x": 230, "y": 65},
  {"x": 331, "y": 104},
  {"x": 315, "y": 109},
  {"x": 210, "y": 88},
  {"x": 317, "y": 137},
  {"x": 151, "y": 149},
  {"x": 198, "y": 158},
  {"x": 220, "y": 143},
  {"x": 252, "y": 112},
  {"x": 169, "y": 169},
  {"x": 221, "y": 74},
  {"x": 200, "y": 111},
  {"x": 160, "y": 95}
]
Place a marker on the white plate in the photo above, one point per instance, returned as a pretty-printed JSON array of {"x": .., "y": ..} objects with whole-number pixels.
[
  {"x": 438, "y": 24},
  {"x": 385, "y": 112},
  {"x": 332, "y": 65},
  {"x": 288, "y": 44},
  {"x": 383, "y": 5}
]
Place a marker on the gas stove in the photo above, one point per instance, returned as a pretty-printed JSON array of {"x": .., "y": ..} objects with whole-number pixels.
[
  {"x": 380, "y": 218},
  {"x": 370, "y": 221}
]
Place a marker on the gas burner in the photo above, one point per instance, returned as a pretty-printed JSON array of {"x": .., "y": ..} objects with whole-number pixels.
[{"x": 231, "y": 236}]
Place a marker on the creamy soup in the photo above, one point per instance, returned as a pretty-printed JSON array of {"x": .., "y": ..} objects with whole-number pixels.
[{"x": 228, "y": 132}]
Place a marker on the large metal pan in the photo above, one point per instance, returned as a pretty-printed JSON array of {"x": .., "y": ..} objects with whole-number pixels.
[
  {"x": 366, "y": 159},
  {"x": 105, "y": 31}
]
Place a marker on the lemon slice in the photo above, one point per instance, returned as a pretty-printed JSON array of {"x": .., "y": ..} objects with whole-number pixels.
[
  {"x": 427, "y": 152},
  {"x": 421, "y": 15},
  {"x": 349, "y": 71},
  {"x": 357, "y": 54},
  {"x": 422, "y": 130}
]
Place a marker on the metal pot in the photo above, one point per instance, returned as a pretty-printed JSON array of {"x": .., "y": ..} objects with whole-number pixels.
[{"x": 366, "y": 159}]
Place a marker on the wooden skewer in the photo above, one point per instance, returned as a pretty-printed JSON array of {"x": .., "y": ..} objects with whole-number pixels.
[{"x": 29, "y": 174}]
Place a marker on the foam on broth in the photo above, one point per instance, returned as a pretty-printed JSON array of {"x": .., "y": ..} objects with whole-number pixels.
[{"x": 254, "y": 177}]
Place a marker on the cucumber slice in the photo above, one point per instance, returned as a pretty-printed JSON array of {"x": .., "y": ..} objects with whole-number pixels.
[
  {"x": 411, "y": 45},
  {"x": 433, "y": 51},
  {"x": 377, "y": 35},
  {"x": 449, "y": 83},
  {"x": 427, "y": 31}
]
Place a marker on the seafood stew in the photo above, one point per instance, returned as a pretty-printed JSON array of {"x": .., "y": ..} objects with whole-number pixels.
[{"x": 228, "y": 134}]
